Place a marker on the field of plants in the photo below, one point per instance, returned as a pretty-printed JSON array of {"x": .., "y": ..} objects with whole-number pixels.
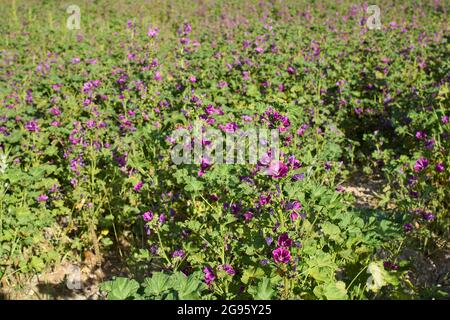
[{"x": 93, "y": 205}]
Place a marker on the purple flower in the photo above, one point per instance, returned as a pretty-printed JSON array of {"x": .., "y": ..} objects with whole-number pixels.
[
  {"x": 277, "y": 170},
  {"x": 302, "y": 129},
  {"x": 153, "y": 32},
  {"x": 414, "y": 194},
  {"x": 222, "y": 84},
  {"x": 294, "y": 163},
  {"x": 440, "y": 167},
  {"x": 263, "y": 200},
  {"x": 203, "y": 166},
  {"x": 209, "y": 275},
  {"x": 42, "y": 198},
  {"x": 264, "y": 262},
  {"x": 211, "y": 110},
  {"x": 170, "y": 140},
  {"x": 90, "y": 85},
  {"x": 408, "y": 227},
  {"x": 90, "y": 123},
  {"x": 421, "y": 164},
  {"x": 32, "y": 126},
  {"x": 178, "y": 253},
  {"x": 358, "y": 111},
  {"x": 428, "y": 216},
  {"x": 157, "y": 76},
  {"x": 187, "y": 28},
  {"x": 281, "y": 255},
  {"x": 228, "y": 269},
  {"x": 269, "y": 240},
  {"x": 248, "y": 215},
  {"x": 147, "y": 216},
  {"x": 265, "y": 84},
  {"x": 429, "y": 144},
  {"x": 420, "y": 135},
  {"x": 444, "y": 119},
  {"x": 265, "y": 159},
  {"x": 4, "y": 130},
  {"x": 154, "y": 249},
  {"x": 55, "y": 111},
  {"x": 294, "y": 216},
  {"x": 412, "y": 180},
  {"x": 390, "y": 265},
  {"x": 294, "y": 205},
  {"x": 29, "y": 97},
  {"x": 230, "y": 127},
  {"x": 138, "y": 186},
  {"x": 54, "y": 188},
  {"x": 290, "y": 70},
  {"x": 284, "y": 240},
  {"x": 298, "y": 176}
]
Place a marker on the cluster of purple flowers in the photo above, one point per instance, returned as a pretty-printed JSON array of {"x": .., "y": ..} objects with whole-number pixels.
[
  {"x": 90, "y": 85},
  {"x": 282, "y": 253},
  {"x": 275, "y": 120}
]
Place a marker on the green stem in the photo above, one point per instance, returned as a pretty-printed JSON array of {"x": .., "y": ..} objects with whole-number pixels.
[
  {"x": 163, "y": 250},
  {"x": 348, "y": 288},
  {"x": 286, "y": 286}
]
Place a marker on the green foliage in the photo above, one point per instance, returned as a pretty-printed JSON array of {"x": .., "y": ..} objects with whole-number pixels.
[
  {"x": 88, "y": 122},
  {"x": 159, "y": 286}
]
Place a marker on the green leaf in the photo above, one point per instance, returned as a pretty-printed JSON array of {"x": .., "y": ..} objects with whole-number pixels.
[
  {"x": 252, "y": 273},
  {"x": 252, "y": 91},
  {"x": 322, "y": 267},
  {"x": 379, "y": 277},
  {"x": 335, "y": 291},
  {"x": 191, "y": 289},
  {"x": 332, "y": 231},
  {"x": 193, "y": 185},
  {"x": 107, "y": 242},
  {"x": 188, "y": 288},
  {"x": 37, "y": 264},
  {"x": 51, "y": 150},
  {"x": 123, "y": 288},
  {"x": 264, "y": 290},
  {"x": 157, "y": 284}
]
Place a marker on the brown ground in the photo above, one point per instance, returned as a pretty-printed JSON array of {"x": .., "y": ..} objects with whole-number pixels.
[{"x": 66, "y": 281}]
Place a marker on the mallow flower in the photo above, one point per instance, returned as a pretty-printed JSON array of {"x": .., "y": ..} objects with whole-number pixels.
[
  {"x": 209, "y": 275},
  {"x": 277, "y": 170},
  {"x": 281, "y": 255},
  {"x": 421, "y": 164}
]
